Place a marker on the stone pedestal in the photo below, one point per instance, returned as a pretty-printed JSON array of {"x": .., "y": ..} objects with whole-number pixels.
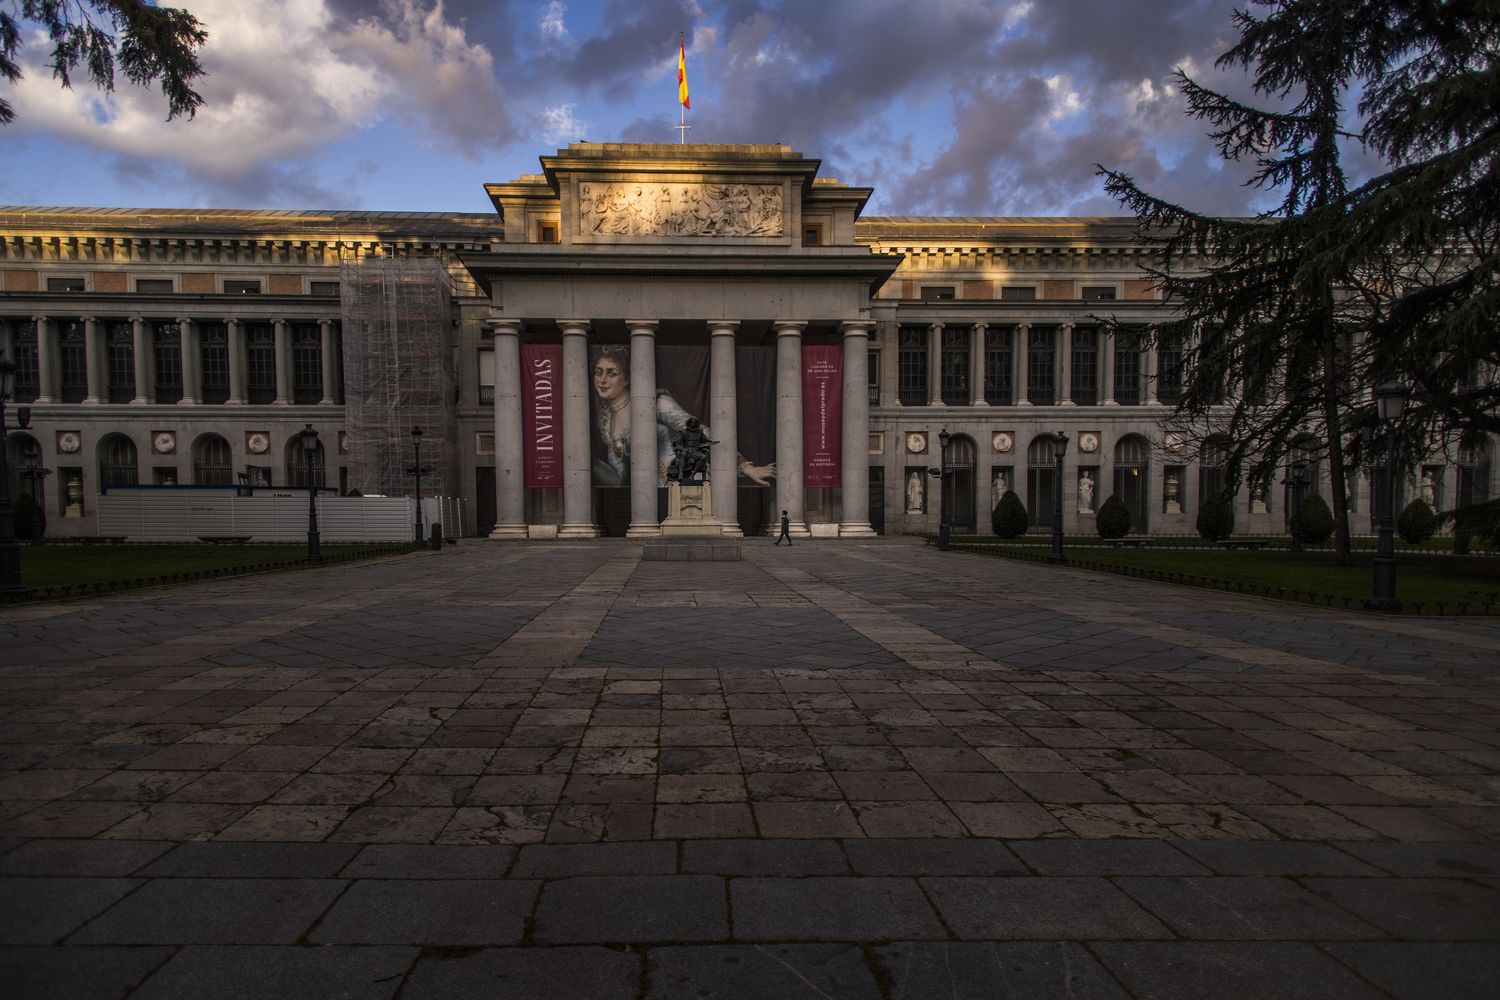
[{"x": 690, "y": 512}]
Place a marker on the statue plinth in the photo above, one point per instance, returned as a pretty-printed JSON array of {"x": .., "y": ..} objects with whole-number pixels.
[{"x": 690, "y": 509}]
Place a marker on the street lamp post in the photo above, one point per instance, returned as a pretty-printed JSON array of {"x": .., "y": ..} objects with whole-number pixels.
[
  {"x": 34, "y": 474},
  {"x": 1390, "y": 402},
  {"x": 1296, "y": 483},
  {"x": 945, "y": 527},
  {"x": 309, "y": 445},
  {"x": 416, "y": 471},
  {"x": 10, "y": 549},
  {"x": 1057, "y": 556}
]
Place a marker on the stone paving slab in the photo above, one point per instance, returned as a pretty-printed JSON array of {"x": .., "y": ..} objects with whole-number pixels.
[{"x": 864, "y": 770}]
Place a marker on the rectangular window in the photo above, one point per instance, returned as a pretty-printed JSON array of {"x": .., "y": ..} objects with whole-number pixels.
[
  {"x": 486, "y": 376},
  {"x": 260, "y": 364},
  {"x": 119, "y": 347},
  {"x": 240, "y": 287},
  {"x": 64, "y": 284},
  {"x": 28, "y": 382},
  {"x": 73, "y": 362},
  {"x": 166, "y": 341},
  {"x": 872, "y": 376},
  {"x": 930, "y": 292},
  {"x": 307, "y": 364},
  {"x": 1017, "y": 293},
  {"x": 1127, "y": 369},
  {"x": 1169, "y": 370},
  {"x": 328, "y": 288},
  {"x": 1041, "y": 366},
  {"x": 911, "y": 359},
  {"x": 1084, "y": 382},
  {"x": 213, "y": 351},
  {"x": 1211, "y": 353},
  {"x": 153, "y": 286},
  {"x": 546, "y": 232},
  {"x": 1097, "y": 293},
  {"x": 999, "y": 364},
  {"x": 812, "y": 236},
  {"x": 955, "y": 362}
]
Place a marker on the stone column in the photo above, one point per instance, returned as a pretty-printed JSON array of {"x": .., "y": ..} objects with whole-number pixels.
[
  {"x": 1019, "y": 356},
  {"x": 935, "y": 364},
  {"x": 578, "y": 512},
  {"x": 1148, "y": 358},
  {"x": 93, "y": 360},
  {"x": 510, "y": 464},
  {"x": 1107, "y": 368},
  {"x": 325, "y": 331},
  {"x": 723, "y": 418},
  {"x": 644, "y": 476},
  {"x": 1064, "y": 366},
  {"x": 789, "y": 427},
  {"x": 192, "y": 375},
  {"x": 141, "y": 350},
  {"x": 854, "y": 519},
  {"x": 976, "y": 364},
  {"x": 7, "y": 339},
  {"x": 235, "y": 334},
  {"x": 283, "y": 365},
  {"x": 46, "y": 368}
]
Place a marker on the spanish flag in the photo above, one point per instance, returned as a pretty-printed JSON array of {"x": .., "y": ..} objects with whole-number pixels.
[{"x": 682, "y": 93}]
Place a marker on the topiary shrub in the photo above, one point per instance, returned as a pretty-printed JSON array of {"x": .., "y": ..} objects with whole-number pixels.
[
  {"x": 1113, "y": 519},
  {"x": 1314, "y": 523},
  {"x": 1215, "y": 519},
  {"x": 1009, "y": 517},
  {"x": 30, "y": 518},
  {"x": 1416, "y": 523}
]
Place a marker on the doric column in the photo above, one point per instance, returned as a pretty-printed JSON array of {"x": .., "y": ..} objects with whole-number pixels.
[
  {"x": 140, "y": 336},
  {"x": 510, "y": 465},
  {"x": 723, "y": 419},
  {"x": 976, "y": 364},
  {"x": 935, "y": 364},
  {"x": 854, "y": 519},
  {"x": 192, "y": 361},
  {"x": 789, "y": 426},
  {"x": 1149, "y": 363},
  {"x": 1019, "y": 359},
  {"x": 1064, "y": 365},
  {"x": 46, "y": 368},
  {"x": 93, "y": 360},
  {"x": 644, "y": 477},
  {"x": 235, "y": 334},
  {"x": 325, "y": 331},
  {"x": 7, "y": 339},
  {"x": 578, "y": 515},
  {"x": 1107, "y": 367},
  {"x": 283, "y": 364}
]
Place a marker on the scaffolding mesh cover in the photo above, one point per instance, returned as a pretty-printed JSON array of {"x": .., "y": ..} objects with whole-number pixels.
[{"x": 398, "y": 374}]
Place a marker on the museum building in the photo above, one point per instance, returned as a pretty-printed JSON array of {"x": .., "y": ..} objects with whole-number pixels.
[{"x": 618, "y": 294}]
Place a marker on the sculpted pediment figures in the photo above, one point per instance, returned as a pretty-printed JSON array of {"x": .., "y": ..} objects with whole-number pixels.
[{"x": 681, "y": 209}]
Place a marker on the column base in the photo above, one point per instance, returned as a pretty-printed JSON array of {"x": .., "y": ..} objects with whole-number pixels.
[
  {"x": 232, "y": 401},
  {"x": 732, "y": 531},
  {"x": 1023, "y": 402},
  {"x": 795, "y": 529},
  {"x": 856, "y": 529},
  {"x": 92, "y": 401},
  {"x": 646, "y": 530},
  {"x": 1066, "y": 402},
  {"x": 509, "y": 532},
  {"x": 980, "y": 402},
  {"x": 1109, "y": 402},
  {"x": 187, "y": 401},
  {"x": 140, "y": 401},
  {"x": 577, "y": 531},
  {"x": 281, "y": 402}
]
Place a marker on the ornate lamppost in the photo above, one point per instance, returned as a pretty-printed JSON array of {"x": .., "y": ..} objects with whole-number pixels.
[
  {"x": 416, "y": 472},
  {"x": 1296, "y": 483},
  {"x": 34, "y": 474},
  {"x": 945, "y": 527},
  {"x": 1390, "y": 403},
  {"x": 1061, "y": 445},
  {"x": 10, "y": 549},
  {"x": 309, "y": 445}
]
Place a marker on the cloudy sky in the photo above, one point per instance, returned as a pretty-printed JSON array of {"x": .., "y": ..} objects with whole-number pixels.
[{"x": 976, "y": 107}]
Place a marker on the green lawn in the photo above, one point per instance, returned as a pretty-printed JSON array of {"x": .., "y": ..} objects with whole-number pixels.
[
  {"x": 54, "y": 567},
  {"x": 1425, "y": 583}
]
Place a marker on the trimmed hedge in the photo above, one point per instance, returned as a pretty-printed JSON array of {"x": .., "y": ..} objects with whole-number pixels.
[
  {"x": 1215, "y": 519},
  {"x": 1009, "y": 516},
  {"x": 1113, "y": 519},
  {"x": 1416, "y": 523},
  {"x": 1314, "y": 524}
]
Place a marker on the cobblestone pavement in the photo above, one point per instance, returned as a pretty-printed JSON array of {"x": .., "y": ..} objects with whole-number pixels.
[{"x": 838, "y": 770}]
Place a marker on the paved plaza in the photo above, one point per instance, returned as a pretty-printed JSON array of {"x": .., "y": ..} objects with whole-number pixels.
[{"x": 839, "y": 770}]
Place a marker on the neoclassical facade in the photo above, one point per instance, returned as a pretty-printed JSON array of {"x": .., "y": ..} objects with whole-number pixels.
[{"x": 553, "y": 350}]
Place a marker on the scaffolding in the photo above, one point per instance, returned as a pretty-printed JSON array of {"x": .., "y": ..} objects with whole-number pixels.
[{"x": 398, "y": 374}]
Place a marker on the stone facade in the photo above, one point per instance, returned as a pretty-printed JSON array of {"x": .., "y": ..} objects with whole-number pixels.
[{"x": 194, "y": 345}]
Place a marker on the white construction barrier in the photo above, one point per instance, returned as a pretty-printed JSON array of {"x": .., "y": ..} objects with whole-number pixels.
[{"x": 167, "y": 515}]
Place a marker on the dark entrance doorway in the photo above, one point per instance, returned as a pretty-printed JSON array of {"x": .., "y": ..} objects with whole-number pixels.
[
  {"x": 1132, "y": 463},
  {"x": 959, "y": 485},
  {"x": 877, "y": 499},
  {"x": 613, "y": 506},
  {"x": 484, "y": 499}
]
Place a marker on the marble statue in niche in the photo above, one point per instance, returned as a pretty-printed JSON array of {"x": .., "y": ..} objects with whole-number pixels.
[
  {"x": 660, "y": 209},
  {"x": 914, "y": 493},
  {"x": 1086, "y": 493}
]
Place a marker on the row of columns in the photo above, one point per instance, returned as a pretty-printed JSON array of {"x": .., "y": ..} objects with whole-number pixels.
[
  {"x": 191, "y": 354},
  {"x": 1020, "y": 335},
  {"x": 578, "y": 519}
]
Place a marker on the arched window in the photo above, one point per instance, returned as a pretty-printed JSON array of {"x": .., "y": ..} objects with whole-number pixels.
[
  {"x": 117, "y": 461},
  {"x": 1473, "y": 472},
  {"x": 213, "y": 462},
  {"x": 23, "y": 453},
  {"x": 296, "y": 463},
  {"x": 1041, "y": 480},
  {"x": 959, "y": 484},
  {"x": 1132, "y": 478},
  {"x": 1212, "y": 475}
]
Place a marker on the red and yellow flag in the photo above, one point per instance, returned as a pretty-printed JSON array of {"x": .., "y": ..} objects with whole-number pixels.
[{"x": 682, "y": 91}]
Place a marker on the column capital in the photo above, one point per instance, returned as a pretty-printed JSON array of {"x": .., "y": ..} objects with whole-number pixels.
[
  {"x": 981, "y": 327},
  {"x": 327, "y": 321},
  {"x": 936, "y": 325},
  {"x": 723, "y": 327},
  {"x": 278, "y": 320},
  {"x": 503, "y": 327},
  {"x": 184, "y": 319},
  {"x": 789, "y": 327},
  {"x": 856, "y": 327},
  {"x": 642, "y": 327},
  {"x": 88, "y": 319},
  {"x": 231, "y": 320},
  {"x": 136, "y": 319},
  {"x": 1067, "y": 324},
  {"x": 38, "y": 318},
  {"x": 575, "y": 327}
]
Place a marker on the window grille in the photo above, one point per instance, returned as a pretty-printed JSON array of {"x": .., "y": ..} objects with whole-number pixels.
[
  {"x": 1041, "y": 366},
  {"x": 955, "y": 362},
  {"x": 213, "y": 353},
  {"x": 1084, "y": 378},
  {"x": 73, "y": 362},
  {"x": 307, "y": 364},
  {"x": 260, "y": 363},
  {"x": 912, "y": 362},
  {"x": 999, "y": 365},
  {"x": 166, "y": 346}
]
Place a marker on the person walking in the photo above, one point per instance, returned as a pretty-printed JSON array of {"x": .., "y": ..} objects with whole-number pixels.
[{"x": 786, "y": 529}]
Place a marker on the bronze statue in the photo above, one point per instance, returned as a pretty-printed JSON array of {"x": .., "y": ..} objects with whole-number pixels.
[{"x": 690, "y": 454}]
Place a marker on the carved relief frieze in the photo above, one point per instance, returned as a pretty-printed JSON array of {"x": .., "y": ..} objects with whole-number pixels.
[{"x": 662, "y": 209}]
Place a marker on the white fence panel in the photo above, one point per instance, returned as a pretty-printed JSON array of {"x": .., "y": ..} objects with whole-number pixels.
[{"x": 178, "y": 516}]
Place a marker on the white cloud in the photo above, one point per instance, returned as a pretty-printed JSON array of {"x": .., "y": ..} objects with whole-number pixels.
[
  {"x": 562, "y": 125},
  {"x": 554, "y": 24}
]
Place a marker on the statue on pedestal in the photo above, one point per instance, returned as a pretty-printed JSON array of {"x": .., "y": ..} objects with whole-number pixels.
[
  {"x": 690, "y": 453},
  {"x": 997, "y": 490},
  {"x": 1086, "y": 493},
  {"x": 914, "y": 493},
  {"x": 1429, "y": 489}
]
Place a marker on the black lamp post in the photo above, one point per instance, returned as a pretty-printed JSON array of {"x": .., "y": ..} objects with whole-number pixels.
[
  {"x": 34, "y": 474},
  {"x": 1390, "y": 402},
  {"x": 1057, "y": 556},
  {"x": 10, "y": 549},
  {"x": 416, "y": 471},
  {"x": 310, "y": 445},
  {"x": 944, "y": 526},
  {"x": 1296, "y": 483}
]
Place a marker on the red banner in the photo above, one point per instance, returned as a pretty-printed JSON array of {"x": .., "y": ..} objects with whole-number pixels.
[
  {"x": 541, "y": 413},
  {"x": 822, "y": 415}
]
